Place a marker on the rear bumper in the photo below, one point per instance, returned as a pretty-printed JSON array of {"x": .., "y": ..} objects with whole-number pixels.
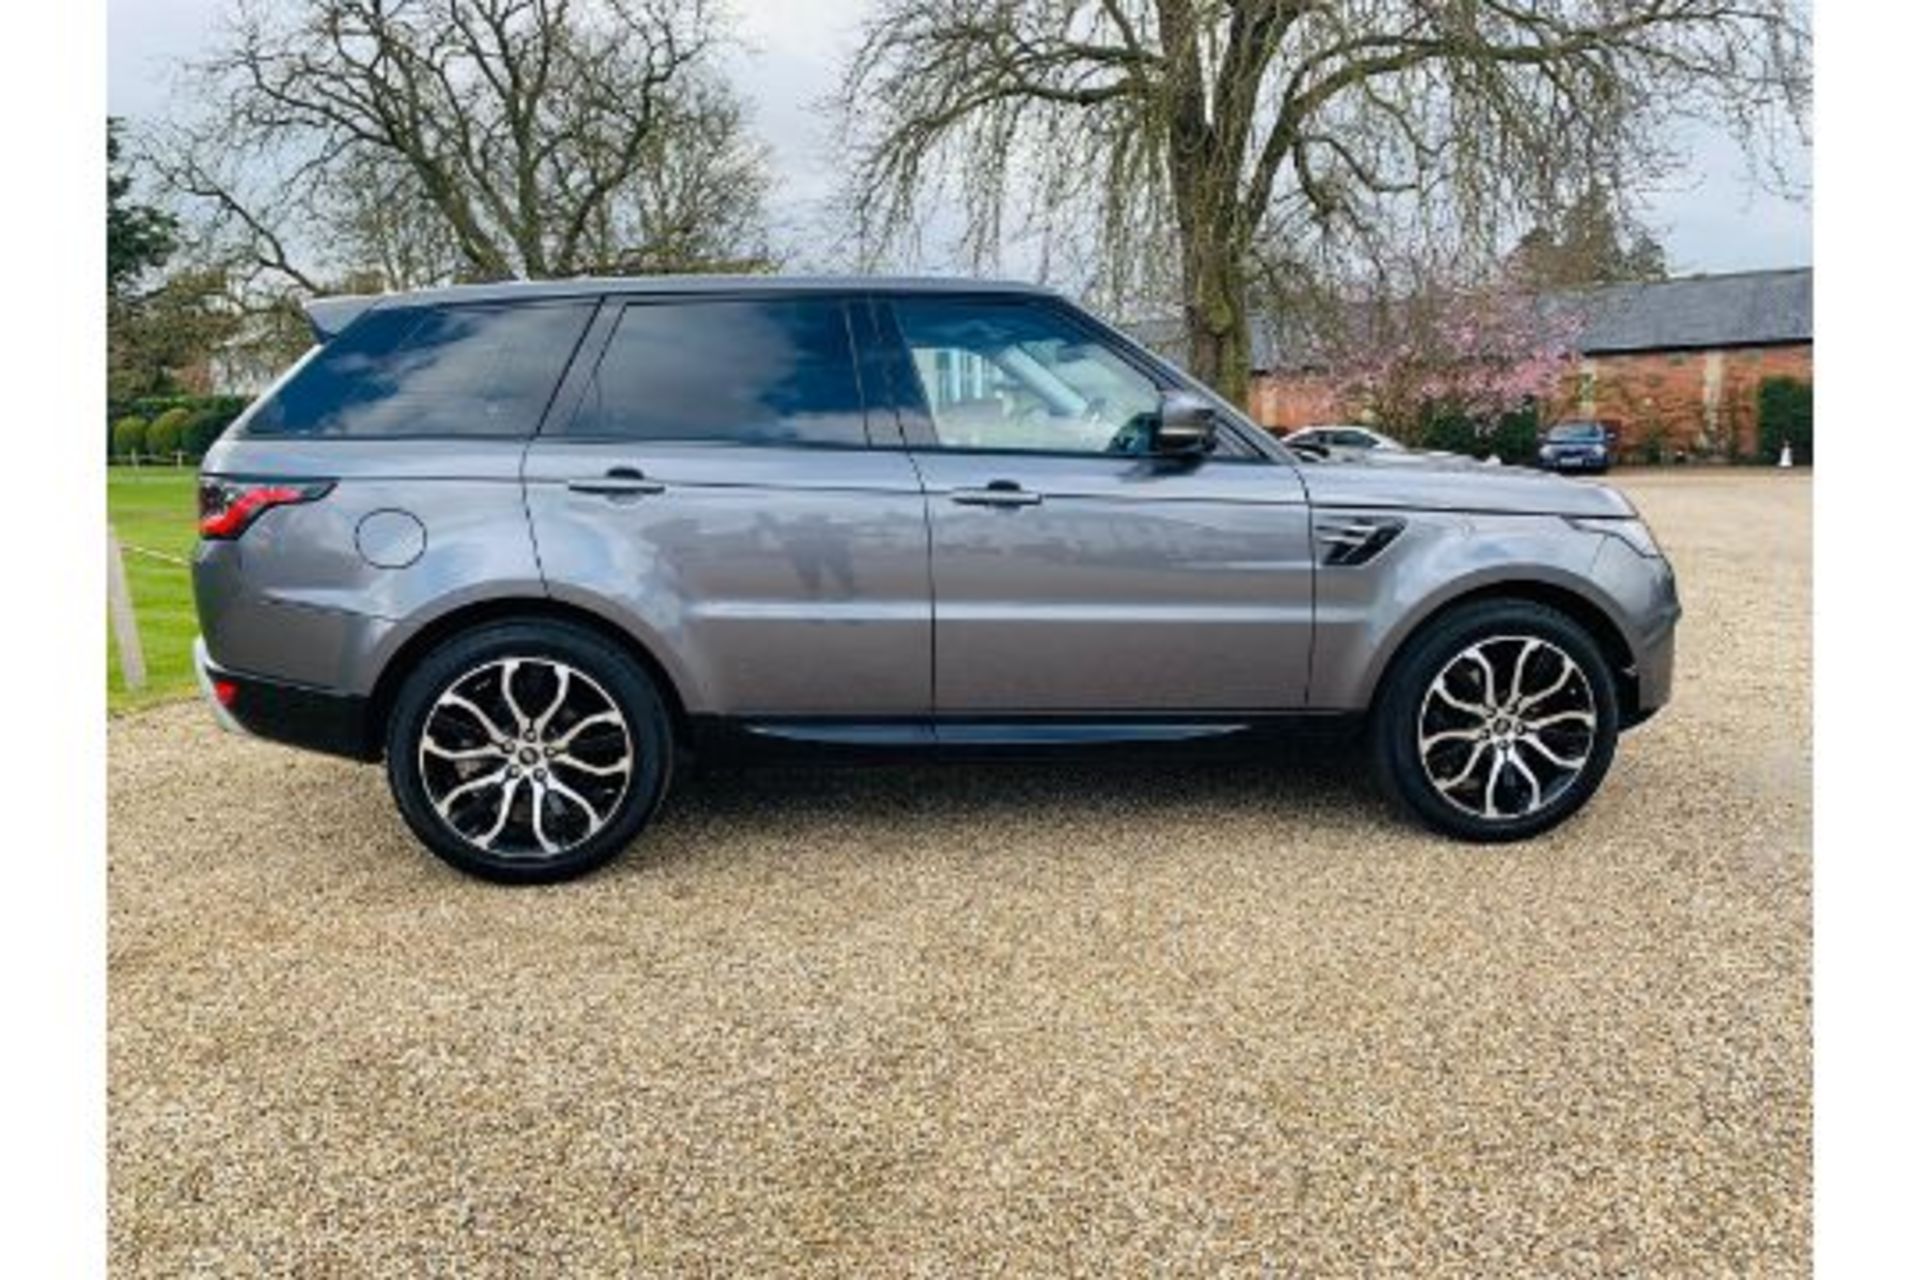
[
  {"x": 298, "y": 715},
  {"x": 203, "y": 670}
]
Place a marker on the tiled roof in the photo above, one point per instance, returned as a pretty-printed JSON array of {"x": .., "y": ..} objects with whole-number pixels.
[
  {"x": 1745, "y": 308},
  {"x": 1748, "y": 308}
]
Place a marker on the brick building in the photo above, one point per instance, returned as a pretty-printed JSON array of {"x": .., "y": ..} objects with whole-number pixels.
[{"x": 1675, "y": 362}]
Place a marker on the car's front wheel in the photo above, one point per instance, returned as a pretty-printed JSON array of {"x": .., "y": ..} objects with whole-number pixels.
[
  {"x": 1498, "y": 721},
  {"x": 528, "y": 752}
]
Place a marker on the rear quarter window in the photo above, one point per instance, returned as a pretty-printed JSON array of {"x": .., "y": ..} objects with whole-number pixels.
[{"x": 431, "y": 371}]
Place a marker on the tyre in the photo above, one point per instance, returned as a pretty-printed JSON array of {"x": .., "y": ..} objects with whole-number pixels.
[
  {"x": 528, "y": 752},
  {"x": 1497, "y": 722}
]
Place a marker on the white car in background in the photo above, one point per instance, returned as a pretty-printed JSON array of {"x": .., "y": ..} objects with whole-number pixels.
[{"x": 1343, "y": 442}]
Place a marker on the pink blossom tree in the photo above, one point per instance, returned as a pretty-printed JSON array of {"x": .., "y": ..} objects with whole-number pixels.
[{"x": 1474, "y": 351}]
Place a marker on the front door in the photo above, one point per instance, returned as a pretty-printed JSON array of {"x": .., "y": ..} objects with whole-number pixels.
[
  {"x": 1074, "y": 573},
  {"x": 710, "y": 481}
]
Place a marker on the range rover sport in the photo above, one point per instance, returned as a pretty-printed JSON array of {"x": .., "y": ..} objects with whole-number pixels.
[{"x": 533, "y": 545}]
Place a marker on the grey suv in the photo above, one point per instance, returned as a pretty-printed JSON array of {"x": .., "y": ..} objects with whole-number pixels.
[{"x": 535, "y": 545}]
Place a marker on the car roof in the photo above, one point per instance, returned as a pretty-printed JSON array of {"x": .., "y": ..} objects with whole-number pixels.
[{"x": 330, "y": 315}]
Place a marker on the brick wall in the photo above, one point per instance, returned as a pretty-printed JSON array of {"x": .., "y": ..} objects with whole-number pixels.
[
  {"x": 1701, "y": 401},
  {"x": 1283, "y": 403}
]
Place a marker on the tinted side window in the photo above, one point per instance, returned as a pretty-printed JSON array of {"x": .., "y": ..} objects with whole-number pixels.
[
  {"x": 773, "y": 371},
  {"x": 431, "y": 371}
]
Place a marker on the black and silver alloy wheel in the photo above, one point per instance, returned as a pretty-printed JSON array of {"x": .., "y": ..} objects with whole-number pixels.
[
  {"x": 528, "y": 751},
  {"x": 1497, "y": 721},
  {"x": 1506, "y": 726},
  {"x": 525, "y": 756}
]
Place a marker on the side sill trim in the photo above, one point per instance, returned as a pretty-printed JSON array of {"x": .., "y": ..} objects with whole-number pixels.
[{"x": 799, "y": 739}]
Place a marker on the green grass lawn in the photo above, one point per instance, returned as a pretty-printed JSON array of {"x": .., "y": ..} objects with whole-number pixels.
[{"x": 153, "y": 508}]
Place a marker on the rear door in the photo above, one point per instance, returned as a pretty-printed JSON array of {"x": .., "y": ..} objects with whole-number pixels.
[
  {"x": 708, "y": 476},
  {"x": 1074, "y": 572}
]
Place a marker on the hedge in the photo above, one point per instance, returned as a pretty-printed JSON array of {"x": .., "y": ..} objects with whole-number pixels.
[
  {"x": 1516, "y": 436},
  {"x": 1450, "y": 430},
  {"x": 128, "y": 435},
  {"x": 202, "y": 429},
  {"x": 193, "y": 423},
  {"x": 1512, "y": 437},
  {"x": 1786, "y": 418},
  {"x": 164, "y": 432}
]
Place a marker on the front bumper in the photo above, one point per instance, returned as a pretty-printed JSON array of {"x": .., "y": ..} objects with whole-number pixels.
[
  {"x": 1653, "y": 672},
  {"x": 1646, "y": 607},
  {"x": 298, "y": 715}
]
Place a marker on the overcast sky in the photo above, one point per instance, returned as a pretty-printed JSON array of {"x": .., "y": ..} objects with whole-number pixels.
[{"x": 1710, "y": 218}]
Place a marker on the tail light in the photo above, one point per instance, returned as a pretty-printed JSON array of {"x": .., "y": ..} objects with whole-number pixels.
[{"x": 228, "y": 507}]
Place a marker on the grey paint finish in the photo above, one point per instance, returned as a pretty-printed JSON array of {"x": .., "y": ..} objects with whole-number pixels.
[
  {"x": 247, "y": 629},
  {"x": 851, "y": 583},
  {"x": 296, "y": 598},
  {"x": 768, "y": 580},
  {"x": 1362, "y": 614},
  {"x": 1131, "y": 584},
  {"x": 1456, "y": 486},
  {"x": 390, "y": 539}
]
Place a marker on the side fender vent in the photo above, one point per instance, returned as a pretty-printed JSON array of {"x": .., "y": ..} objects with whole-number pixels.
[{"x": 1349, "y": 541}]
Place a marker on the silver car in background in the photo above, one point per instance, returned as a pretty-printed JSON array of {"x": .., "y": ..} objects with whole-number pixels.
[
  {"x": 537, "y": 546},
  {"x": 1342, "y": 440},
  {"x": 1364, "y": 444}
]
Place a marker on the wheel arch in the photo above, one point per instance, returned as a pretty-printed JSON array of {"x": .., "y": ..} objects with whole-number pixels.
[
  {"x": 467, "y": 617},
  {"x": 1561, "y": 597}
]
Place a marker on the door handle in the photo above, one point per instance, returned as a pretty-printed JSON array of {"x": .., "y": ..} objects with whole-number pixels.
[
  {"x": 998, "y": 493},
  {"x": 619, "y": 482}
]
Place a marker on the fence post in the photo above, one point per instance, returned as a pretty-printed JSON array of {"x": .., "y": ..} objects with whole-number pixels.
[{"x": 126, "y": 632}]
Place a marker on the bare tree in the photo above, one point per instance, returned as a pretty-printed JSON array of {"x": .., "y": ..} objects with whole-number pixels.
[
  {"x": 1591, "y": 243},
  {"x": 698, "y": 199},
  {"x": 1209, "y": 145},
  {"x": 426, "y": 140}
]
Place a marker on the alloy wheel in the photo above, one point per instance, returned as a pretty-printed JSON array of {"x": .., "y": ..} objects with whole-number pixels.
[
  {"x": 525, "y": 757},
  {"x": 1506, "y": 727}
]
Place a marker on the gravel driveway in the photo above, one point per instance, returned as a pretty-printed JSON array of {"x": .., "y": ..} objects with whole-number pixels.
[{"x": 1197, "y": 1018}]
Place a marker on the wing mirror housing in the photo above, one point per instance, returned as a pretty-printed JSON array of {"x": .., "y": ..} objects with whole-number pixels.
[{"x": 1186, "y": 427}]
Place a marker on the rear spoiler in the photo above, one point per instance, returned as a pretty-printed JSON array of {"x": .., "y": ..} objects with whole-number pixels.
[{"x": 329, "y": 316}]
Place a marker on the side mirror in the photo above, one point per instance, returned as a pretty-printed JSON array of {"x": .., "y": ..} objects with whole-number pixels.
[{"x": 1186, "y": 426}]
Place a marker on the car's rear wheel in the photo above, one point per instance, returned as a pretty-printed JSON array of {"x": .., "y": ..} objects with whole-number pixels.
[
  {"x": 528, "y": 752},
  {"x": 1498, "y": 722}
]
